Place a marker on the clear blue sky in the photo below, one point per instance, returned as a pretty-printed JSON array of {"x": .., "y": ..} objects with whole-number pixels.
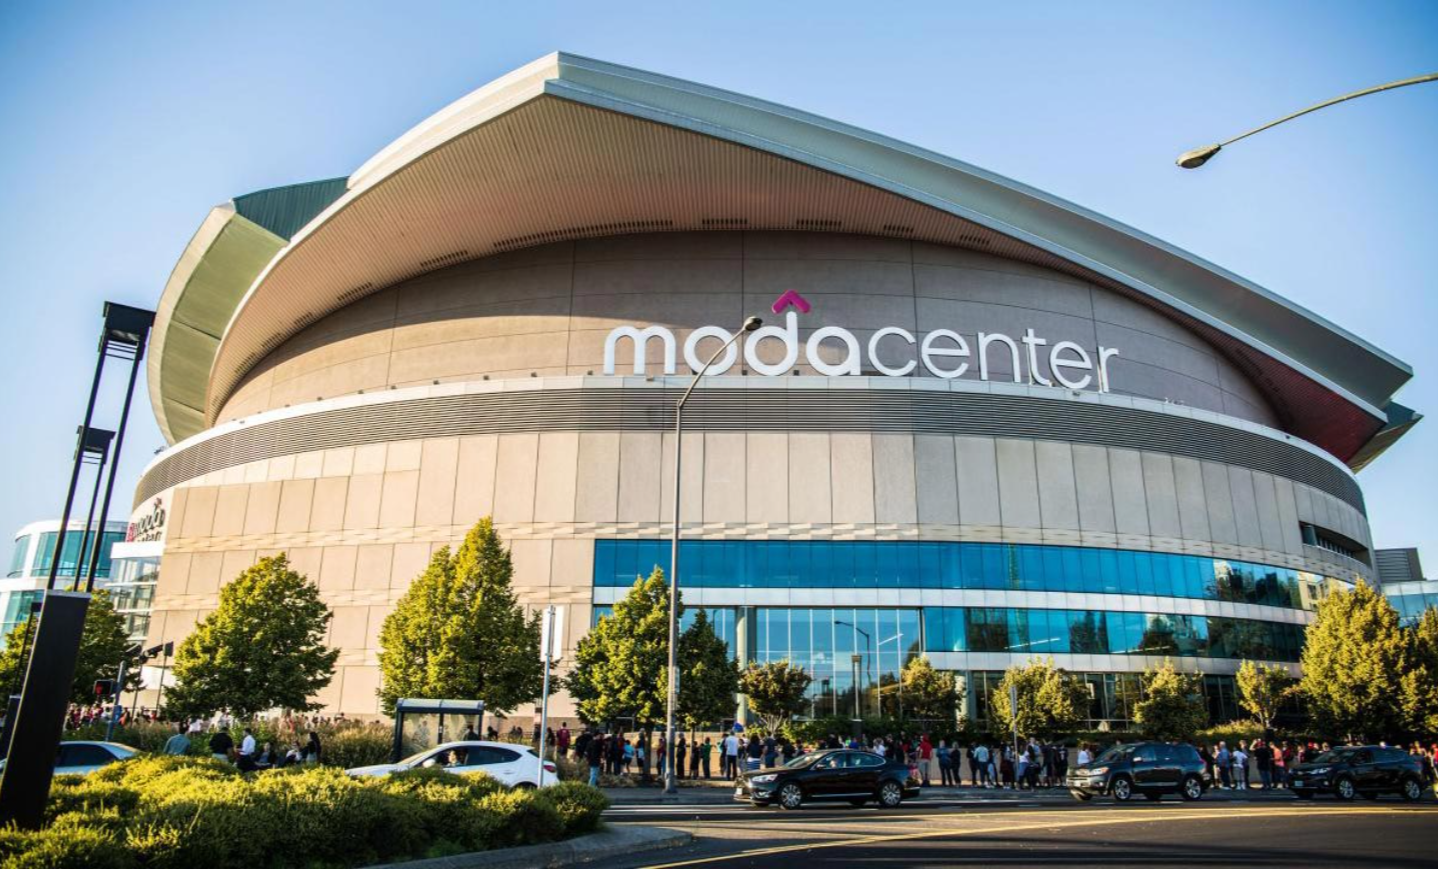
[{"x": 124, "y": 123}]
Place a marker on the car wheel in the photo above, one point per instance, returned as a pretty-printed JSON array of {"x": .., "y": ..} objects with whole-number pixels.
[
  {"x": 890, "y": 795},
  {"x": 1122, "y": 789},
  {"x": 1191, "y": 789},
  {"x": 1081, "y": 796},
  {"x": 1344, "y": 790},
  {"x": 791, "y": 796},
  {"x": 1412, "y": 790},
  {"x": 857, "y": 803}
]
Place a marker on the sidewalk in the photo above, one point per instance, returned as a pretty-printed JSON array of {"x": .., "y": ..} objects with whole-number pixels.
[{"x": 716, "y": 791}]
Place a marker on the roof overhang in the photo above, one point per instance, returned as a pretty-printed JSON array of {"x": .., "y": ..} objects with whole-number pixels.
[{"x": 568, "y": 147}]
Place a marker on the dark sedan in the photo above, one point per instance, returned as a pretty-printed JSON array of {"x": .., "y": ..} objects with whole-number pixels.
[
  {"x": 838, "y": 774},
  {"x": 1366, "y": 770}
]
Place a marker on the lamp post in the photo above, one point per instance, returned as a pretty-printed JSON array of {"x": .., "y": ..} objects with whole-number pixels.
[
  {"x": 868, "y": 654},
  {"x": 749, "y": 326},
  {"x": 1198, "y": 156}
]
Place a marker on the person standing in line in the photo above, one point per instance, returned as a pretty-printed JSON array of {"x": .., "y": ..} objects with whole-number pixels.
[
  {"x": 1224, "y": 761},
  {"x": 1021, "y": 764},
  {"x": 1085, "y": 757},
  {"x": 1263, "y": 757},
  {"x": 561, "y": 741},
  {"x": 704, "y": 752},
  {"x": 754, "y": 754},
  {"x": 1061, "y": 764},
  {"x": 941, "y": 757},
  {"x": 771, "y": 751},
  {"x": 594, "y": 755},
  {"x": 221, "y": 745},
  {"x": 980, "y": 766},
  {"x": 179, "y": 743},
  {"x": 246, "y": 760},
  {"x": 1240, "y": 768},
  {"x": 731, "y": 756},
  {"x": 615, "y": 745},
  {"x": 681, "y": 751}
]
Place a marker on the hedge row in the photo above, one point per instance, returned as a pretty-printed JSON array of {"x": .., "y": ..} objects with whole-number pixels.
[{"x": 182, "y": 812}]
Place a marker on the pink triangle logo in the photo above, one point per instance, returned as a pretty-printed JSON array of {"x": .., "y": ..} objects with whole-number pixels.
[{"x": 788, "y": 298}]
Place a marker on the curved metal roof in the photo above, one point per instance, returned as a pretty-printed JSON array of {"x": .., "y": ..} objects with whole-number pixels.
[{"x": 569, "y": 147}]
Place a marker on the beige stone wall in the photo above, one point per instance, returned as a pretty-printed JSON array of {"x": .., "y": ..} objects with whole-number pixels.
[
  {"x": 363, "y": 521},
  {"x": 546, "y": 311}
]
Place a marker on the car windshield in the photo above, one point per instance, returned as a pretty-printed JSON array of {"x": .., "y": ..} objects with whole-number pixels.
[
  {"x": 801, "y": 761},
  {"x": 419, "y": 756},
  {"x": 1337, "y": 755},
  {"x": 1118, "y": 752}
]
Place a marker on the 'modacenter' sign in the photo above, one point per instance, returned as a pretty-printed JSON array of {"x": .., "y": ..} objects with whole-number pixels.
[{"x": 943, "y": 352}]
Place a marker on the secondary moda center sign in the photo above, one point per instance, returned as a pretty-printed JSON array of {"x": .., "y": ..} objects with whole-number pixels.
[{"x": 943, "y": 352}]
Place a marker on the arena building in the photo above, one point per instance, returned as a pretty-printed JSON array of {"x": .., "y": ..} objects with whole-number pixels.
[{"x": 979, "y": 424}]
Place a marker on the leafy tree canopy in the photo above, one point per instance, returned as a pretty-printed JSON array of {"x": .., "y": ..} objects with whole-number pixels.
[
  {"x": 1051, "y": 701},
  {"x": 709, "y": 677},
  {"x": 1262, "y": 688},
  {"x": 1355, "y": 656},
  {"x": 459, "y": 631},
  {"x": 1172, "y": 707},
  {"x": 775, "y": 691},
  {"x": 621, "y": 667},
  {"x": 1420, "y": 683},
  {"x": 929, "y": 694},
  {"x": 262, "y": 648},
  {"x": 102, "y": 645}
]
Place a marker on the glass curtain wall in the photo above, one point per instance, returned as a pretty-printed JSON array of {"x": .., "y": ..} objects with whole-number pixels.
[{"x": 997, "y": 566}]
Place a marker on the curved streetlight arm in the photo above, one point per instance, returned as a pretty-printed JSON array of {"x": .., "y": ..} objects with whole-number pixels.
[
  {"x": 672, "y": 700},
  {"x": 1198, "y": 156}
]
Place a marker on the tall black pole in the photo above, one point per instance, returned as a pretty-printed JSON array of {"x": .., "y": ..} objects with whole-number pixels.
[
  {"x": 115, "y": 463},
  {"x": 79, "y": 573},
  {"x": 75, "y": 470}
]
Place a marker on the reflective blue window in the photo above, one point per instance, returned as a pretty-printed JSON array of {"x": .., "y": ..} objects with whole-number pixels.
[{"x": 942, "y": 565}]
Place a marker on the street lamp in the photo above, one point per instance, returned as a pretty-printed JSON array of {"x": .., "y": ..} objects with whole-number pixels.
[
  {"x": 1198, "y": 156},
  {"x": 669, "y": 787}
]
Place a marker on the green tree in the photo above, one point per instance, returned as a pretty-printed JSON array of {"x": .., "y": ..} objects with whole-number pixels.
[
  {"x": 1052, "y": 701},
  {"x": 709, "y": 676},
  {"x": 1172, "y": 707},
  {"x": 1355, "y": 656},
  {"x": 775, "y": 691},
  {"x": 1420, "y": 683},
  {"x": 262, "y": 648},
  {"x": 1262, "y": 688},
  {"x": 929, "y": 694},
  {"x": 621, "y": 667},
  {"x": 102, "y": 645},
  {"x": 459, "y": 631}
]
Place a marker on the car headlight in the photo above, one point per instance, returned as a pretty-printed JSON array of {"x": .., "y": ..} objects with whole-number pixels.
[
  {"x": 762, "y": 779},
  {"x": 1098, "y": 770},
  {"x": 1322, "y": 770}
]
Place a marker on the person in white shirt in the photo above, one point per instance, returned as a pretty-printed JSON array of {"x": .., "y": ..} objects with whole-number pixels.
[
  {"x": 731, "y": 756},
  {"x": 246, "y": 760},
  {"x": 1083, "y": 756}
]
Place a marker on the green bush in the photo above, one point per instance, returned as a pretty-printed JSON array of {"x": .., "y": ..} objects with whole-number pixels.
[
  {"x": 522, "y": 818},
  {"x": 1230, "y": 733},
  {"x": 72, "y": 842},
  {"x": 162, "y": 812},
  {"x": 578, "y": 806},
  {"x": 358, "y": 746}
]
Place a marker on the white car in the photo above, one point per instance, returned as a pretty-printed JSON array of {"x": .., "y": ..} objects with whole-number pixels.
[
  {"x": 83, "y": 758},
  {"x": 509, "y": 764}
]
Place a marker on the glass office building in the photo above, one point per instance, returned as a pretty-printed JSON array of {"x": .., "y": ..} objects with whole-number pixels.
[
  {"x": 978, "y": 424},
  {"x": 34, "y": 555}
]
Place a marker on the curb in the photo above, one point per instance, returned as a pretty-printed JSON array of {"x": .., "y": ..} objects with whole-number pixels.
[
  {"x": 955, "y": 797},
  {"x": 613, "y": 842}
]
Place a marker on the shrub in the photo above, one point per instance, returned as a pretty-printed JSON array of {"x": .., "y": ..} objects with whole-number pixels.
[
  {"x": 72, "y": 843},
  {"x": 358, "y": 746},
  {"x": 178, "y": 813},
  {"x": 578, "y": 806},
  {"x": 1230, "y": 733},
  {"x": 522, "y": 817}
]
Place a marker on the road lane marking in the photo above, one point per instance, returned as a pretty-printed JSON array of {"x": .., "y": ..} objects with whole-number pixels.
[{"x": 1057, "y": 823}]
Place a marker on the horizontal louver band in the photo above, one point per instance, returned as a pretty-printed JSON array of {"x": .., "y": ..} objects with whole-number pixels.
[{"x": 719, "y": 409}]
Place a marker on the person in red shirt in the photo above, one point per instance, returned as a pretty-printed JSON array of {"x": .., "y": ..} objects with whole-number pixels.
[{"x": 926, "y": 755}]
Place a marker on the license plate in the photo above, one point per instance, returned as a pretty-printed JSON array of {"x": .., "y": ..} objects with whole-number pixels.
[
  {"x": 1298, "y": 782},
  {"x": 738, "y": 792}
]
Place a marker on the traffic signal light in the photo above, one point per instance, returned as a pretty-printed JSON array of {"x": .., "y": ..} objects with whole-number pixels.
[{"x": 104, "y": 688}]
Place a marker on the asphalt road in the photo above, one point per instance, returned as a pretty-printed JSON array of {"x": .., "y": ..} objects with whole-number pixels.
[{"x": 929, "y": 833}]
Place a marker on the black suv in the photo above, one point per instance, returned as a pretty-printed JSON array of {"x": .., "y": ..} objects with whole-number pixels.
[
  {"x": 1369, "y": 770},
  {"x": 831, "y": 774},
  {"x": 1149, "y": 768}
]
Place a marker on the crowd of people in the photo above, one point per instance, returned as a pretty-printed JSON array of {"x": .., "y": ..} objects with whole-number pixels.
[{"x": 1259, "y": 763}]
